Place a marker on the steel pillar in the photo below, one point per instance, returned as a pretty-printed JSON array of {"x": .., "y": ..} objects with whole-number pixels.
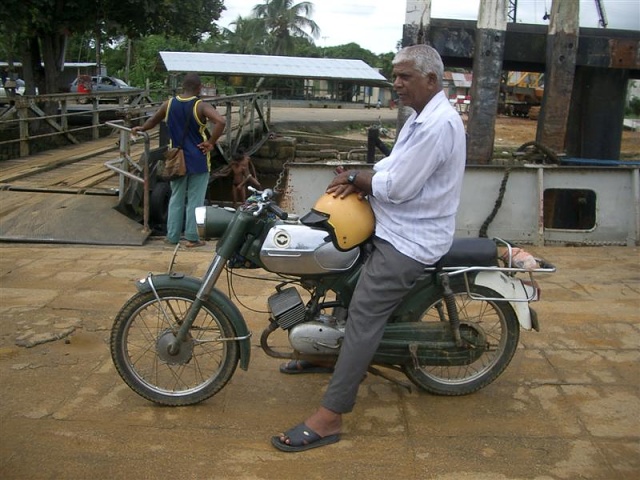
[{"x": 597, "y": 111}]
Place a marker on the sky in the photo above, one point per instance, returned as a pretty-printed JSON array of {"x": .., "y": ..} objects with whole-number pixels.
[{"x": 377, "y": 24}]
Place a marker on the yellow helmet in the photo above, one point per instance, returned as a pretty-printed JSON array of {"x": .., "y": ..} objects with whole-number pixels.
[{"x": 350, "y": 220}]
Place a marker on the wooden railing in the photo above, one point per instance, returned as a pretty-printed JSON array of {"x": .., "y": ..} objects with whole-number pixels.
[
  {"x": 28, "y": 119},
  {"x": 74, "y": 117}
]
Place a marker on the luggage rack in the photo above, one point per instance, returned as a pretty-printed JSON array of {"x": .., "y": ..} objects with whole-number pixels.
[{"x": 530, "y": 286}]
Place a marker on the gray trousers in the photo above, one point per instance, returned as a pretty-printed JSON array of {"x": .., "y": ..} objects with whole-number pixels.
[{"x": 386, "y": 277}]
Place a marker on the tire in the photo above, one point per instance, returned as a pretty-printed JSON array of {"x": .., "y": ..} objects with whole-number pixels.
[
  {"x": 159, "y": 203},
  {"x": 496, "y": 321},
  {"x": 139, "y": 340}
]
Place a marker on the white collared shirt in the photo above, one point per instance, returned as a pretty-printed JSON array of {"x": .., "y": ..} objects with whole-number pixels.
[{"x": 416, "y": 189}]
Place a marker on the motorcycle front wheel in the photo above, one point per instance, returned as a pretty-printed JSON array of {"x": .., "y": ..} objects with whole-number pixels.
[
  {"x": 140, "y": 338},
  {"x": 496, "y": 321}
]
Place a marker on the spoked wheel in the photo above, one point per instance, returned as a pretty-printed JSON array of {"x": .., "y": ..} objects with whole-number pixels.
[
  {"x": 494, "y": 321},
  {"x": 140, "y": 338}
]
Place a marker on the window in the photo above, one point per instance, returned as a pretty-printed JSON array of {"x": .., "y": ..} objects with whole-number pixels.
[{"x": 569, "y": 209}]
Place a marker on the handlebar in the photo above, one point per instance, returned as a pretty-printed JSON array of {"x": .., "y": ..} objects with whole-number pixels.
[
  {"x": 277, "y": 211},
  {"x": 265, "y": 202}
]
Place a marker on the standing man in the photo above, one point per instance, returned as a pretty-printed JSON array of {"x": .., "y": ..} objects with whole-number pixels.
[
  {"x": 186, "y": 116},
  {"x": 414, "y": 194}
]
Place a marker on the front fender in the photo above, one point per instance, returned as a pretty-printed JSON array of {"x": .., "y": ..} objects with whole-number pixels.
[
  {"x": 512, "y": 288},
  {"x": 192, "y": 284}
]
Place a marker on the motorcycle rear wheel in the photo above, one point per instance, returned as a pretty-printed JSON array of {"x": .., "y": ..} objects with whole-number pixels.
[
  {"x": 139, "y": 341},
  {"x": 499, "y": 324}
]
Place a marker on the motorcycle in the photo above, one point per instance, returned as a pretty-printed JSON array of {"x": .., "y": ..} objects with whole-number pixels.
[{"x": 179, "y": 339}]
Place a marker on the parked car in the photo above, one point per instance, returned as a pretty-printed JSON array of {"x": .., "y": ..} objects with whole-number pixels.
[{"x": 97, "y": 84}]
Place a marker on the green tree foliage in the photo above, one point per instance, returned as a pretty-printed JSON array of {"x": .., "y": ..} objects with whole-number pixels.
[
  {"x": 248, "y": 37},
  {"x": 39, "y": 29},
  {"x": 353, "y": 51},
  {"x": 148, "y": 64},
  {"x": 634, "y": 107},
  {"x": 284, "y": 20}
]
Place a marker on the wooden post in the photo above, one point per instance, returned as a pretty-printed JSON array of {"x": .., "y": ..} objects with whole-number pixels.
[
  {"x": 562, "y": 49},
  {"x": 23, "y": 116},
  {"x": 485, "y": 87},
  {"x": 95, "y": 119},
  {"x": 64, "y": 121}
]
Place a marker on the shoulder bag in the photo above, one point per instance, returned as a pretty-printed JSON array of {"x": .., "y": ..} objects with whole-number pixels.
[{"x": 174, "y": 165}]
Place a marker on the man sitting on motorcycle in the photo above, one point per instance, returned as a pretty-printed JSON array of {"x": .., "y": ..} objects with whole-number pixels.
[{"x": 414, "y": 194}]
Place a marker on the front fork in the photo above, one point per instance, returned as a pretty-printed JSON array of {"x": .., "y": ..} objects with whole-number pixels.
[{"x": 209, "y": 281}]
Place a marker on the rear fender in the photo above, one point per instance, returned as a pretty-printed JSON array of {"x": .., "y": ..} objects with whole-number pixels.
[
  {"x": 192, "y": 284},
  {"x": 509, "y": 287}
]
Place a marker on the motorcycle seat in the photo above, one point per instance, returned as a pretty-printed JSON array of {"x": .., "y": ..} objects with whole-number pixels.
[{"x": 470, "y": 252}]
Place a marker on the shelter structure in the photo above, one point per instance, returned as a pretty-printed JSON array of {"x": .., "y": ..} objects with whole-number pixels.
[{"x": 296, "y": 78}]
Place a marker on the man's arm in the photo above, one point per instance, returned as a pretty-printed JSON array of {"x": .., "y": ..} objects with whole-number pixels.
[
  {"x": 206, "y": 110},
  {"x": 153, "y": 120}
]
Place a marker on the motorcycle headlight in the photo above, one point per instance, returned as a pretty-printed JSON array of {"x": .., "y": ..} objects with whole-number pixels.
[{"x": 213, "y": 221}]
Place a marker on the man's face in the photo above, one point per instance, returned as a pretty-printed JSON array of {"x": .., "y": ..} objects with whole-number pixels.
[{"x": 414, "y": 89}]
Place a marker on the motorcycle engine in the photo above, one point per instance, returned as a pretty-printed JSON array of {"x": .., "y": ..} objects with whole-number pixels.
[
  {"x": 317, "y": 337},
  {"x": 320, "y": 336}
]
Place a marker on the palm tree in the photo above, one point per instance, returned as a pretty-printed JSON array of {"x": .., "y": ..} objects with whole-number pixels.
[
  {"x": 248, "y": 36},
  {"x": 285, "y": 20}
]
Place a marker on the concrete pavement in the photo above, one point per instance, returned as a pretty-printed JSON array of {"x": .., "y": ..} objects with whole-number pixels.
[{"x": 567, "y": 407}]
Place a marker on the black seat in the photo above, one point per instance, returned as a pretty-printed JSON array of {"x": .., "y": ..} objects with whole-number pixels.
[{"x": 470, "y": 252}]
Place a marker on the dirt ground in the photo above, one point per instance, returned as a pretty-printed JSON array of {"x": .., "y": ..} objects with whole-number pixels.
[
  {"x": 512, "y": 132},
  {"x": 515, "y": 131},
  {"x": 567, "y": 407}
]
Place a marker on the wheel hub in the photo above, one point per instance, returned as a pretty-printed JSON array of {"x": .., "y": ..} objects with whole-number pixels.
[
  {"x": 473, "y": 334},
  {"x": 181, "y": 357}
]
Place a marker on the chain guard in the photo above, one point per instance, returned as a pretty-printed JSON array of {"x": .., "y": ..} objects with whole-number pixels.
[{"x": 430, "y": 344}]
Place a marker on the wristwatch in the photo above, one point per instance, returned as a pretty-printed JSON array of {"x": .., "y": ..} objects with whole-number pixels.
[{"x": 352, "y": 177}]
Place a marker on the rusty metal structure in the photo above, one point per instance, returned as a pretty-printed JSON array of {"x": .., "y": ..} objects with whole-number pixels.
[{"x": 586, "y": 72}]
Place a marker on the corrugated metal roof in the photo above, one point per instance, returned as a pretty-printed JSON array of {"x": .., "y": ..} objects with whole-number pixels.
[
  {"x": 272, "y": 66},
  {"x": 66, "y": 64}
]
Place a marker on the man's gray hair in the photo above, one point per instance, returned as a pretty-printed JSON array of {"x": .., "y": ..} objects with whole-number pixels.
[{"x": 425, "y": 59}]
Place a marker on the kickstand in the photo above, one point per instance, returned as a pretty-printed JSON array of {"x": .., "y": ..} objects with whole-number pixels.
[{"x": 375, "y": 371}]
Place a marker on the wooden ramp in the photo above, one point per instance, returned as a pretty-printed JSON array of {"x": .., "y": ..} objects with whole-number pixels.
[
  {"x": 66, "y": 196},
  {"x": 64, "y": 218}
]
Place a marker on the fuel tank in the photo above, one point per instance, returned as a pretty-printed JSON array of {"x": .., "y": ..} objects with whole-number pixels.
[{"x": 301, "y": 250}]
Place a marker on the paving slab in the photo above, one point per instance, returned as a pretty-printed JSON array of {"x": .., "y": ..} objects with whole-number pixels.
[{"x": 567, "y": 407}]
